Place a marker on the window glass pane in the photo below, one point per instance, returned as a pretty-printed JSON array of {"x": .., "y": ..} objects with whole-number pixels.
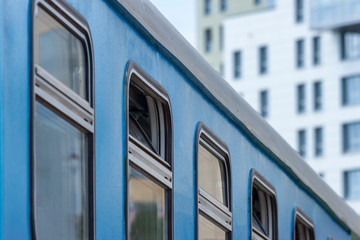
[
  {"x": 212, "y": 174},
  {"x": 237, "y": 64},
  {"x": 352, "y": 184},
  {"x": 351, "y": 137},
  {"x": 351, "y": 90},
  {"x": 260, "y": 218},
  {"x": 144, "y": 119},
  {"x": 61, "y": 185},
  {"x": 60, "y": 53},
  {"x": 208, "y": 230},
  {"x": 147, "y": 213},
  {"x": 302, "y": 143}
]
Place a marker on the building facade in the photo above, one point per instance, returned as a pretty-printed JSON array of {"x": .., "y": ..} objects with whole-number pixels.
[
  {"x": 298, "y": 64},
  {"x": 210, "y": 31}
]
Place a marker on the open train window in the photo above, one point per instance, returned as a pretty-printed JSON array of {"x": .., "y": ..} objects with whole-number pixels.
[
  {"x": 214, "y": 214},
  {"x": 303, "y": 228},
  {"x": 149, "y": 187},
  {"x": 263, "y": 208},
  {"x": 62, "y": 182}
]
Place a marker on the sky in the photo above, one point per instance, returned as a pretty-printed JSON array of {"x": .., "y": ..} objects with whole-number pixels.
[{"x": 182, "y": 14}]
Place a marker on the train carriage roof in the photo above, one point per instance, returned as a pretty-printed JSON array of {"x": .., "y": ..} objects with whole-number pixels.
[{"x": 158, "y": 30}]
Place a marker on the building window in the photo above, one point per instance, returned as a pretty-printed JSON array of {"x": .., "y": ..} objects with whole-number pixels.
[
  {"x": 303, "y": 227},
  {"x": 351, "y": 90},
  {"x": 221, "y": 38},
  {"x": 317, "y": 96},
  {"x": 263, "y": 208},
  {"x": 263, "y": 60},
  {"x": 300, "y": 54},
  {"x": 350, "y": 44},
  {"x": 299, "y": 11},
  {"x": 237, "y": 64},
  {"x": 301, "y": 101},
  {"x": 63, "y": 125},
  {"x": 223, "y": 5},
  {"x": 264, "y": 104},
  {"x": 207, "y": 7},
  {"x": 318, "y": 141},
  {"x": 352, "y": 184},
  {"x": 214, "y": 187},
  {"x": 149, "y": 169},
  {"x": 208, "y": 40},
  {"x": 316, "y": 51},
  {"x": 351, "y": 137},
  {"x": 302, "y": 142}
]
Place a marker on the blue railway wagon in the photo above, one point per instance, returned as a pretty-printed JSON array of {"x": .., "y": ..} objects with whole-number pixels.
[{"x": 113, "y": 127}]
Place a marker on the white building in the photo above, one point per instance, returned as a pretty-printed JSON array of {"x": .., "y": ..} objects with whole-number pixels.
[{"x": 302, "y": 73}]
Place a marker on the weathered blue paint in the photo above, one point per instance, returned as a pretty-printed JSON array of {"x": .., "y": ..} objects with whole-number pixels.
[{"x": 115, "y": 42}]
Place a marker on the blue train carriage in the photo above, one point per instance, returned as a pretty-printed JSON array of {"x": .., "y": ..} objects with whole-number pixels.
[{"x": 113, "y": 127}]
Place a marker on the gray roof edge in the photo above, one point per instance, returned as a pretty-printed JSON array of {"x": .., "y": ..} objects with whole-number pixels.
[{"x": 152, "y": 23}]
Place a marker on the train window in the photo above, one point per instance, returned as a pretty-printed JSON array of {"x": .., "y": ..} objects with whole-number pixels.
[
  {"x": 263, "y": 208},
  {"x": 214, "y": 189},
  {"x": 303, "y": 228},
  {"x": 66, "y": 62},
  {"x": 150, "y": 184},
  {"x": 63, "y": 124}
]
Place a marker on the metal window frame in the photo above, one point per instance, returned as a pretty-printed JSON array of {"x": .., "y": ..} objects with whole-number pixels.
[
  {"x": 300, "y": 53},
  {"x": 318, "y": 141},
  {"x": 299, "y": 11},
  {"x": 207, "y": 7},
  {"x": 346, "y": 189},
  {"x": 237, "y": 64},
  {"x": 316, "y": 50},
  {"x": 299, "y": 215},
  {"x": 158, "y": 169},
  {"x": 317, "y": 95},
  {"x": 206, "y": 205},
  {"x": 224, "y": 5},
  {"x": 58, "y": 98},
  {"x": 301, "y": 140},
  {"x": 208, "y": 40},
  {"x": 346, "y": 139},
  {"x": 263, "y": 60},
  {"x": 258, "y": 181},
  {"x": 301, "y": 98},
  {"x": 345, "y": 82},
  {"x": 264, "y": 103}
]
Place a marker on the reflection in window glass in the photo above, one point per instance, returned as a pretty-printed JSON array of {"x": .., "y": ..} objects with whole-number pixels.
[
  {"x": 61, "y": 186},
  {"x": 60, "y": 53},
  {"x": 208, "y": 230},
  {"x": 143, "y": 117},
  {"x": 302, "y": 232},
  {"x": 147, "y": 214},
  {"x": 260, "y": 218},
  {"x": 352, "y": 184},
  {"x": 212, "y": 174}
]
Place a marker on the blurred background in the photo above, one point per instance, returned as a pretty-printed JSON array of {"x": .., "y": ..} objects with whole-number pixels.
[{"x": 297, "y": 62}]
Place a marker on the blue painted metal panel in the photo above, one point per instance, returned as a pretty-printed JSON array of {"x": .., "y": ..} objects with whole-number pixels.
[{"x": 15, "y": 119}]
